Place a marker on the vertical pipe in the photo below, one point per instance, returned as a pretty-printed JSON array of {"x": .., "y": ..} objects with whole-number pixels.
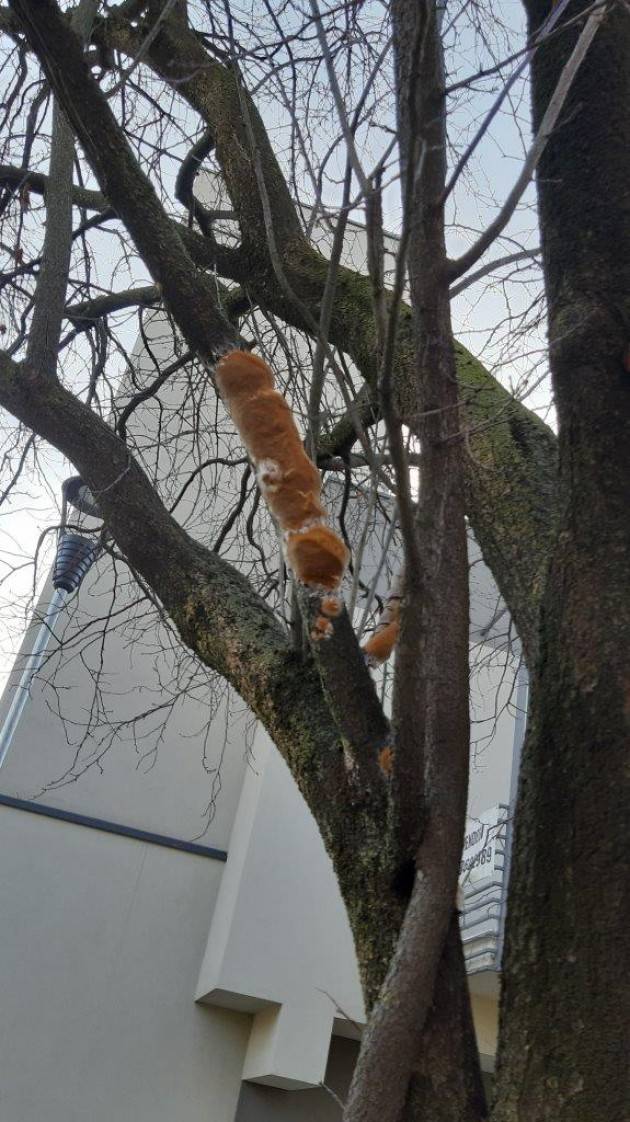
[
  {"x": 33, "y": 662},
  {"x": 520, "y": 722}
]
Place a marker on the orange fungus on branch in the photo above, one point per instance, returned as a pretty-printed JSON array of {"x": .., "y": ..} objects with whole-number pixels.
[
  {"x": 317, "y": 556},
  {"x": 381, "y": 644},
  {"x": 288, "y": 479},
  {"x": 385, "y": 635}
]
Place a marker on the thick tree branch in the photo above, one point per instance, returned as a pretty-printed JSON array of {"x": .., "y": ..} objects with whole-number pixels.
[
  {"x": 340, "y": 439},
  {"x": 9, "y": 23},
  {"x": 88, "y": 311},
  {"x": 233, "y": 301},
  {"x": 185, "y": 182},
  {"x": 37, "y": 183},
  {"x": 353, "y": 699}
]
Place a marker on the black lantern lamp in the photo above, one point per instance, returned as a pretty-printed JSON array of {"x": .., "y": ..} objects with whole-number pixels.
[{"x": 76, "y": 552}]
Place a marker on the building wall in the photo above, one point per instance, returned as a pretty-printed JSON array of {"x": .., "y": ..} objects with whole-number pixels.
[
  {"x": 267, "y": 1104},
  {"x": 105, "y": 948},
  {"x": 101, "y": 942},
  {"x": 135, "y": 978}
]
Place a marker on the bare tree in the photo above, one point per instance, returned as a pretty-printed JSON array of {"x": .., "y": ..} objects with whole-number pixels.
[{"x": 130, "y": 83}]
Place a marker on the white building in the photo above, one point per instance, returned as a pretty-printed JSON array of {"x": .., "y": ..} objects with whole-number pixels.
[{"x": 161, "y": 961}]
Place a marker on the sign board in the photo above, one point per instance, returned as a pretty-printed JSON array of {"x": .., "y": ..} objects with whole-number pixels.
[{"x": 480, "y": 846}]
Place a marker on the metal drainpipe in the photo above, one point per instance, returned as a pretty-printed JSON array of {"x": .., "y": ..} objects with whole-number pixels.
[
  {"x": 520, "y": 723},
  {"x": 75, "y": 555}
]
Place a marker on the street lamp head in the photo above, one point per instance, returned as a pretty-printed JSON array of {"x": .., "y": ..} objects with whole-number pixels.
[{"x": 78, "y": 495}]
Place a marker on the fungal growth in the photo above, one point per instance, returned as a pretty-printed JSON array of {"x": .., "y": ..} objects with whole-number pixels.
[
  {"x": 289, "y": 481},
  {"x": 385, "y": 635}
]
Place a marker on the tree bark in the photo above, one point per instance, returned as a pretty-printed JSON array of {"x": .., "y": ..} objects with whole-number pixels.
[
  {"x": 446, "y": 1083},
  {"x": 430, "y": 398},
  {"x": 565, "y": 1022}
]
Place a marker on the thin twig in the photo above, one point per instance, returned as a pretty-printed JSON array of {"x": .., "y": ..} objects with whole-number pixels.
[
  {"x": 50, "y": 290},
  {"x": 547, "y": 126},
  {"x": 491, "y": 267}
]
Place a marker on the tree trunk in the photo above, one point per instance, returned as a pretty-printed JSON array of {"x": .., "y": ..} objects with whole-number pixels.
[
  {"x": 565, "y": 1024},
  {"x": 446, "y": 1085},
  {"x": 419, "y": 1057}
]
